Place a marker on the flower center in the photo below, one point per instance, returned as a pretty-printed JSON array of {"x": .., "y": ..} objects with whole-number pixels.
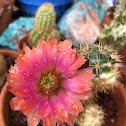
[{"x": 49, "y": 83}]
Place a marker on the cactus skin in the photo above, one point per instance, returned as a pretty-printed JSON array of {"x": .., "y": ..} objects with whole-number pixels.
[
  {"x": 44, "y": 25},
  {"x": 105, "y": 63},
  {"x": 115, "y": 34},
  {"x": 35, "y": 36},
  {"x": 45, "y": 18}
]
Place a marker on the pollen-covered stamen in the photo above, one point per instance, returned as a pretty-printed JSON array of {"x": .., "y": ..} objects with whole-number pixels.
[{"x": 49, "y": 83}]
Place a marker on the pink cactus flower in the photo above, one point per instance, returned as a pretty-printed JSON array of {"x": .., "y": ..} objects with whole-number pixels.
[{"x": 47, "y": 84}]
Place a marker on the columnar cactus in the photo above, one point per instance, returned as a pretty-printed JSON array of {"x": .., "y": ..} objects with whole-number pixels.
[
  {"x": 115, "y": 34},
  {"x": 45, "y": 18},
  {"x": 44, "y": 25},
  {"x": 105, "y": 63}
]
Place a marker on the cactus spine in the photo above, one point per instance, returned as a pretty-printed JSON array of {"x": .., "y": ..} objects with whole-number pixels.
[
  {"x": 120, "y": 12},
  {"x": 44, "y": 25},
  {"x": 35, "y": 35},
  {"x": 105, "y": 63},
  {"x": 45, "y": 18},
  {"x": 92, "y": 116}
]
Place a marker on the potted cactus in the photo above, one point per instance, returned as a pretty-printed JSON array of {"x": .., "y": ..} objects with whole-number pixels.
[
  {"x": 44, "y": 28},
  {"x": 106, "y": 64},
  {"x": 115, "y": 34},
  {"x": 41, "y": 80},
  {"x": 25, "y": 76},
  {"x": 29, "y": 7}
]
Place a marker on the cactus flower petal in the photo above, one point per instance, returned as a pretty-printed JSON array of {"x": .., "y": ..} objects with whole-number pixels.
[
  {"x": 16, "y": 102},
  {"x": 49, "y": 121},
  {"x": 83, "y": 96},
  {"x": 47, "y": 84},
  {"x": 33, "y": 118},
  {"x": 71, "y": 103}
]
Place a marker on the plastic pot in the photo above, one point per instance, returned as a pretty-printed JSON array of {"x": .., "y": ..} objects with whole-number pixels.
[{"x": 29, "y": 7}]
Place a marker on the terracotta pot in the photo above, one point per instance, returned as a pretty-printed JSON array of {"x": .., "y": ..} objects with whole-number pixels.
[
  {"x": 24, "y": 40},
  {"x": 109, "y": 15},
  {"x": 5, "y": 95},
  {"x": 122, "y": 52},
  {"x": 11, "y": 53},
  {"x": 119, "y": 96},
  {"x": 6, "y": 8},
  {"x": 21, "y": 42}
]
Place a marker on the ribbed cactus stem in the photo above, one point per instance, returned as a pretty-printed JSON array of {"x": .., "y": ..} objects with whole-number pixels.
[
  {"x": 35, "y": 36},
  {"x": 44, "y": 25},
  {"x": 105, "y": 63},
  {"x": 45, "y": 18}
]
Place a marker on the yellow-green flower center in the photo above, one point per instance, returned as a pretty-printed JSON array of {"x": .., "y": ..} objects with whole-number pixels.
[{"x": 49, "y": 83}]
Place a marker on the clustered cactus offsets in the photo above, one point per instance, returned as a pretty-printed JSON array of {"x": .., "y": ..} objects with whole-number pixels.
[
  {"x": 45, "y": 27},
  {"x": 115, "y": 34},
  {"x": 105, "y": 63}
]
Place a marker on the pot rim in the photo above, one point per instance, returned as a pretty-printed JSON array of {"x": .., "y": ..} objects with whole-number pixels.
[
  {"x": 24, "y": 40},
  {"x": 5, "y": 96}
]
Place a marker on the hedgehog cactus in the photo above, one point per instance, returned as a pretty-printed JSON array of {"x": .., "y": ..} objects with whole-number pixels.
[
  {"x": 105, "y": 63},
  {"x": 45, "y": 18},
  {"x": 44, "y": 25},
  {"x": 115, "y": 34}
]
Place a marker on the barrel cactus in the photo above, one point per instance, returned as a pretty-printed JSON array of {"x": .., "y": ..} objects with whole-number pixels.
[
  {"x": 105, "y": 62},
  {"x": 45, "y": 27}
]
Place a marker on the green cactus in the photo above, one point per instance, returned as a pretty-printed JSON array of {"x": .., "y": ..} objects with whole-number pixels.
[
  {"x": 45, "y": 18},
  {"x": 115, "y": 34},
  {"x": 120, "y": 13},
  {"x": 45, "y": 27},
  {"x": 105, "y": 63},
  {"x": 35, "y": 36}
]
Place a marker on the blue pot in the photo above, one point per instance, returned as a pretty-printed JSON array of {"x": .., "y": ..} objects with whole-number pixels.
[
  {"x": 29, "y": 7},
  {"x": 115, "y": 2}
]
